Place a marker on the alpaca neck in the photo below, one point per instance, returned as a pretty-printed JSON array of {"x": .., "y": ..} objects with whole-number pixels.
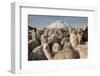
[
  {"x": 74, "y": 41},
  {"x": 33, "y": 35},
  {"x": 48, "y": 54}
]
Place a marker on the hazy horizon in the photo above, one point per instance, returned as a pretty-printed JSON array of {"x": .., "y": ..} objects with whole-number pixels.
[{"x": 44, "y": 20}]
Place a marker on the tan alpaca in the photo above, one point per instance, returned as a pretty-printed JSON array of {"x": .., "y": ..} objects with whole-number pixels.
[
  {"x": 62, "y": 54},
  {"x": 33, "y": 35},
  {"x": 82, "y": 49},
  {"x": 74, "y": 39},
  {"x": 75, "y": 52}
]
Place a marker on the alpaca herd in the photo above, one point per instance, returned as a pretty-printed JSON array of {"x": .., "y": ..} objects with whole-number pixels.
[{"x": 57, "y": 43}]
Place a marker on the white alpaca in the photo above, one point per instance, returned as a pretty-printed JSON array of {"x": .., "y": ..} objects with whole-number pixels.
[{"x": 56, "y": 47}]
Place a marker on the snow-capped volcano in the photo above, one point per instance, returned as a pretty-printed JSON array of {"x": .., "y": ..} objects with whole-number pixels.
[{"x": 57, "y": 24}]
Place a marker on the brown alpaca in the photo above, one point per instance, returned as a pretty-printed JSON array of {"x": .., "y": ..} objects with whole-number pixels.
[
  {"x": 83, "y": 35},
  {"x": 37, "y": 54},
  {"x": 62, "y": 54}
]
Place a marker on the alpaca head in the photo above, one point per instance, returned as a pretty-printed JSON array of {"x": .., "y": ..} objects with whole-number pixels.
[
  {"x": 74, "y": 38},
  {"x": 44, "y": 39},
  {"x": 80, "y": 31},
  {"x": 73, "y": 33},
  {"x": 61, "y": 33},
  {"x": 83, "y": 34},
  {"x": 73, "y": 30},
  {"x": 56, "y": 47}
]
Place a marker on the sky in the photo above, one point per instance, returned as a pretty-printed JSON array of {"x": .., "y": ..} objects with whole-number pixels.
[{"x": 44, "y": 20}]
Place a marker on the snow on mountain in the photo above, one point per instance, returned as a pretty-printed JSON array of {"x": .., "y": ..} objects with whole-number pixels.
[{"x": 57, "y": 24}]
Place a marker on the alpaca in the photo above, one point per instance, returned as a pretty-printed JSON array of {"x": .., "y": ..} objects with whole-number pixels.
[
  {"x": 73, "y": 38},
  {"x": 83, "y": 35},
  {"x": 44, "y": 39},
  {"x": 53, "y": 39},
  {"x": 61, "y": 33},
  {"x": 34, "y": 42},
  {"x": 82, "y": 49},
  {"x": 62, "y": 54},
  {"x": 33, "y": 35},
  {"x": 37, "y": 54},
  {"x": 56, "y": 47},
  {"x": 75, "y": 52}
]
